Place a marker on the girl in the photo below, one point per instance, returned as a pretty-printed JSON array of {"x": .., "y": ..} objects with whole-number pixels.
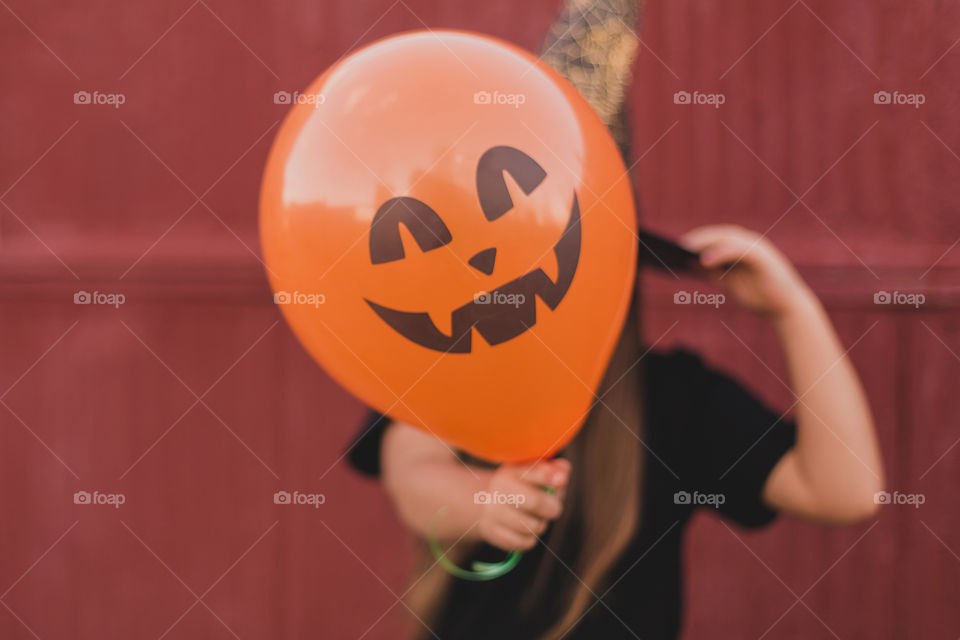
[{"x": 666, "y": 436}]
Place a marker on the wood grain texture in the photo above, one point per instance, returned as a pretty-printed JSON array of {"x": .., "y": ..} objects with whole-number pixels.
[{"x": 157, "y": 200}]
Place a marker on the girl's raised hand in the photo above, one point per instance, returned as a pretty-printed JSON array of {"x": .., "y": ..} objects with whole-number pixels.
[{"x": 749, "y": 268}]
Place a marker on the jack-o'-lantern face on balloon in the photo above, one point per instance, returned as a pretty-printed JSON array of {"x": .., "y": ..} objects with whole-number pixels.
[
  {"x": 476, "y": 256},
  {"x": 495, "y": 322}
]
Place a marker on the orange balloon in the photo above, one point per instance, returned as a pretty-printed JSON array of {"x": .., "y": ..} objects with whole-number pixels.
[{"x": 449, "y": 229}]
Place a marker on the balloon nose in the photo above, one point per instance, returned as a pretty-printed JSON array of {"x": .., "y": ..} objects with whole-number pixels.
[{"x": 483, "y": 261}]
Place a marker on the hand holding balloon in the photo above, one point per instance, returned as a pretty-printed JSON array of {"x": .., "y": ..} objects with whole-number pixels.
[{"x": 516, "y": 510}]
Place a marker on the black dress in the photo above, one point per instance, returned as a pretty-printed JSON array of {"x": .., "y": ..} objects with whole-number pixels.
[{"x": 711, "y": 438}]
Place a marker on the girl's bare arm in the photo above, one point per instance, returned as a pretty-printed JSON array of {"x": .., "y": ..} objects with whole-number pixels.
[{"x": 834, "y": 471}]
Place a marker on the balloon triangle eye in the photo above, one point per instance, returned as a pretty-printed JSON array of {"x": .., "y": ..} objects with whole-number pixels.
[
  {"x": 423, "y": 223},
  {"x": 492, "y": 186}
]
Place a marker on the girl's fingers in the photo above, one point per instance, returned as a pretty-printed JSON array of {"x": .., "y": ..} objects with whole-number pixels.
[
  {"x": 525, "y": 504},
  {"x": 526, "y": 524},
  {"x": 552, "y": 473},
  {"x": 541, "y": 504},
  {"x": 701, "y": 238},
  {"x": 719, "y": 246},
  {"x": 561, "y": 494},
  {"x": 509, "y": 539},
  {"x": 726, "y": 252},
  {"x": 517, "y": 522},
  {"x": 695, "y": 240}
]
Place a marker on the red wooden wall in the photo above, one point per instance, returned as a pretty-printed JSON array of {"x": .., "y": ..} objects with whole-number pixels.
[{"x": 193, "y": 401}]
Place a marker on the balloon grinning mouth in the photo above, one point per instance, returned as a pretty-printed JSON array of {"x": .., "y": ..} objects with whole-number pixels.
[{"x": 496, "y": 322}]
